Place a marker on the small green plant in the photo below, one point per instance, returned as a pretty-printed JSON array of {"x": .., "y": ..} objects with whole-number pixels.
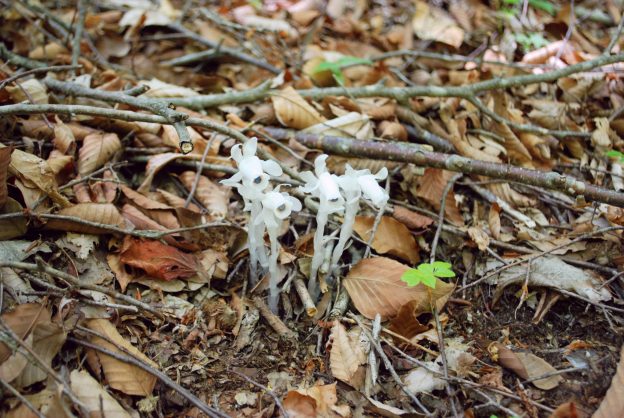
[
  {"x": 543, "y": 5},
  {"x": 427, "y": 273},
  {"x": 616, "y": 154},
  {"x": 530, "y": 41},
  {"x": 336, "y": 67}
]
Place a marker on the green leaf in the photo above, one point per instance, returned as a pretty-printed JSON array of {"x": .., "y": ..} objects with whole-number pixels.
[
  {"x": 615, "y": 154},
  {"x": 413, "y": 277},
  {"x": 544, "y": 5},
  {"x": 430, "y": 281},
  {"x": 349, "y": 61},
  {"x": 442, "y": 269}
]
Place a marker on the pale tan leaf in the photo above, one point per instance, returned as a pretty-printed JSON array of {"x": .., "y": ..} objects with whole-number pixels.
[
  {"x": 391, "y": 237},
  {"x": 352, "y": 124},
  {"x": 375, "y": 286},
  {"x": 479, "y": 237},
  {"x": 160, "y": 89},
  {"x": 11, "y": 368},
  {"x": 316, "y": 401},
  {"x": 5, "y": 160},
  {"x": 31, "y": 91},
  {"x": 49, "y": 51},
  {"x": 64, "y": 139},
  {"x": 494, "y": 221},
  {"x": 142, "y": 200},
  {"x": 293, "y": 111},
  {"x": 36, "y": 173},
  {"x": 612, "y": 404},
  {"x": 12, "y": 228},
  {"x": 346, "y": 356},
  {"x": 95, "y": 397},
  {"x": 47, "y": 339},
  {"x": 124, "y": 377},
  {"x": 22, "y": 320},
  {"x": 122, "y": 276},
  {"x": 100, "y": 213},
  {"x": 96, "y": 150},
  {"x": 213, "y": 196},
  {"x": 432, "y": 23},
  {"x": 526, "y": 365},
  {"x": 59, "y": 163}
]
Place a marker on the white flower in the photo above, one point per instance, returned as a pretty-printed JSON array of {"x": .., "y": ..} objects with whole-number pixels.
[
  {"x": 277, "y": 206},
  {"x": 323, "y": 185},
  {"x": 253, "y": 173},
  {"x": 368, "y": 184}
]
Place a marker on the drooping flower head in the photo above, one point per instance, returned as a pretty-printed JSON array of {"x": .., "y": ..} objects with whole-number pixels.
[
  {"x": 368, "y": 184},
  {"x": 323, "y": 185},
  {"x": 277, "y": 206}
]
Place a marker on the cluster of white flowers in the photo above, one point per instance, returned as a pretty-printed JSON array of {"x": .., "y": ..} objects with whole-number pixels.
[{"x": 269, "y": 207}]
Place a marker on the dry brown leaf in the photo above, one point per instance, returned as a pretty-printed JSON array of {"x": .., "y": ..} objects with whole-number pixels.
[
  {"x": 11, "y": 368},
  {"x": 22, "y": 320},
  {"x": 479, "y": 237},
  {"x": 375, "y": 286},
  {"x": 391, "y": 237},
  {"x": 612, "y": 404},
  {"x": 432, "y": 23},
  {"x": 406, "y": 323},
  {"x": 31, "y": 91},
  {"x": 346, "y": 356},
  {"x": 64, "y": 139},
  {"x": 5, "y": 160},
  {"x": 36, "y": 173},
  {"x": 98, "y": 401},
  {"x": 12, "y": 228},
  {"x": 47, "y": 52},
  {"x": 293, "y": 111},
  {"x": 96, "y": 150},
  {"x": 122, "y": 276},
  {"x": 122, "y": 376},
  {"x": 411, "y": 219},
  {"x": 214, "y": 197},
  {"x": 494, "y": 221},
  {"x": 157, "y": 259},
  {"x": 49, "y": 402},
  {"x": 430, "y": 188},
  {"x": 541, "y": 55},
  {"x": 317, "y": 401},
  {"x": 154, "y": 165},
  {"x": 526, "y": 365},
  {"x": 100, "y": 213},
  {"x": 142, "y": 200}
]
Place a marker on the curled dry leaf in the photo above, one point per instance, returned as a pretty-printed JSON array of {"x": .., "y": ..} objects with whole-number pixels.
[
  {"x": 96, "y": 399},
  {"x": 432, "y": 23},
  {"x": 348, "y": 352},
  {"x": 293, "y": 111},
  {"x": 375, "y": 286},
  {"x": 97, "y": 149},
  {"x": 122, "y": 376},
  {"x": 31, "y": 91},
  {"x": 5, "y": 160},
  {"x": 159, "y": 260},
  {"x": 36, "y": 173},
  {"x": 213, "y": 196},
  {"x": 99, "y": 213},
  {"x": 391, "y": 237},
  {"x": 154, "y": 165},
  {"x": 526, "y": 365}
]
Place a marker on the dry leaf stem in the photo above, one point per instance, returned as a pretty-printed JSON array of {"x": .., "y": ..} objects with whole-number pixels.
[
  {"x": 273, "y": 320},
  {"x": 304, "y": 295},
  {"x": 412, "y": 153}
]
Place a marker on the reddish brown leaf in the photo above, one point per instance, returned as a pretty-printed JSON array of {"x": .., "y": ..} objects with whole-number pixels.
[
  {"x": 430, "y": 188},
  {"x": 157, "y": 259},
  {"x": 391, "y": 237}
]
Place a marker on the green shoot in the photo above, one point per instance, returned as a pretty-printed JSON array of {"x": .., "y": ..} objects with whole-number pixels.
[
  {"x": 531, "y": 41},
  {"x": 336, "y": 67},
  {"x": 543, "y": 5},
  {"x": 616, "y": 154},
  {"x": 428, "y": 273}
]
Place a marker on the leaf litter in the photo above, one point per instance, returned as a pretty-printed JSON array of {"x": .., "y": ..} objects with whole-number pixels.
[{"x": 125, "y": 263}]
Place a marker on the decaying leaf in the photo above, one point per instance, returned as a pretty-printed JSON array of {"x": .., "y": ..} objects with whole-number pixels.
[
  {"x": 36, "y": 173},
  {"x": 96, "y": 150},
  {"x": 422, "y": 380},
  {"x": 98, "y": 401},
  {"x": 551, "y": 272},
  {"x": 375, "y": 286},
  {"x": 293, "y": 111},
  {"x": 391, "y": 237},
  {"x": 432, "y": 23},
  {"x": 526, "y": 365},
  {"x": 612, "y": 404},
  {"x": 159, "y": 260},
  {"x": 214, "y": 197},
  {"x": 5, "y": 160},
  {"x": 122, "y": 376},
  {"x": 316, "y": 401},
  {"x": 98, "y": 213},
  {"x": 348, "y": 352},
  {"x": 12, "y": 228}
]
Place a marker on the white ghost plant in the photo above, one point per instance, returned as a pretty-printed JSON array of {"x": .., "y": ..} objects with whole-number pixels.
[
  {"x": 357, "y": 184},
  {"x": 267, "y": 209},
  {"x": 276, "y": 207},
  {"x": 324, "y": 186}
]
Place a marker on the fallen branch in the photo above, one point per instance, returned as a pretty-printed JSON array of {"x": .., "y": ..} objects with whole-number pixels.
[{"x": 412, "y": 153}]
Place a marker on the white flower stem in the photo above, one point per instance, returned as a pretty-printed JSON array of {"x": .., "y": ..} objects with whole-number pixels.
[
  {"x": 346, "y": 230},
  {"x": 317, "y": 258},
  {"x": 256, "y": 246},
  {"x": 273, "y": 271}
]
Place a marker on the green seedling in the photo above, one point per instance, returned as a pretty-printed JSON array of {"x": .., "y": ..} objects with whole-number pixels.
[
  {"x": 336, "y": 67},
  {"x": 428, "y": 273},
  {"x": 616, "y": 154},
  {"x": 543, "y": 5},
  {"x": 531, "y": 41}
]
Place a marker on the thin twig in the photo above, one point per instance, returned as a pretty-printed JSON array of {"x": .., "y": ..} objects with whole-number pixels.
[{"x": 82, "y": 6}]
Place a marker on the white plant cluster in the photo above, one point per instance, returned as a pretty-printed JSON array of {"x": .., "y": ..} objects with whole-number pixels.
[{"x": 269, "y": 207}]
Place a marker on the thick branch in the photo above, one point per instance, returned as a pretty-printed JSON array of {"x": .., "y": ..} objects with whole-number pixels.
[{"x": 411, "y": 153}]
